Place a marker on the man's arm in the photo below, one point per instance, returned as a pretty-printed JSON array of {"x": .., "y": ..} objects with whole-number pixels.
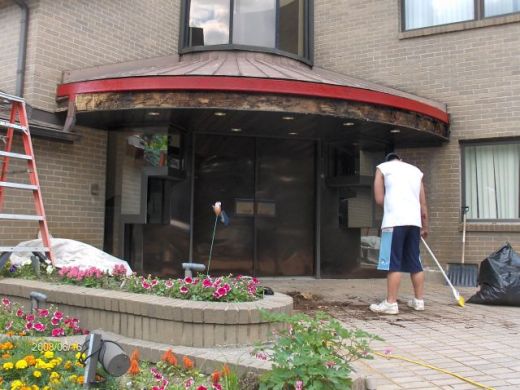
[
  {"x": 424, "y": 212},
  {"x": 379, "y": 188}
]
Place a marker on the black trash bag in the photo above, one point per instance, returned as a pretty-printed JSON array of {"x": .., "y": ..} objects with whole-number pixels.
[{"x": 499, "y": 279}]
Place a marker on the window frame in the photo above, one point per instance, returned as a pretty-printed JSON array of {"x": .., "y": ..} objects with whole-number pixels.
[
  {"x": 479, "y": 12},
  {"x": 482, "y": 142},
  {"x": 308, "y": 32}
]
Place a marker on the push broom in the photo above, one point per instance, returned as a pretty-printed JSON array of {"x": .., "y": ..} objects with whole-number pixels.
[{"x": 459, "y": 298}]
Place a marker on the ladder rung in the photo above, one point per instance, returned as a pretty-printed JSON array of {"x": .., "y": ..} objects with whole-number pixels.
[
  {"x": 18, "y": 186},
  {"x": 16, "y": 155},
  {"x": 23, "y": 249},
  {"x": 12, "y": 125},
  {"x": 6, "y": 96},
  {"x": 22, "y": 217}
]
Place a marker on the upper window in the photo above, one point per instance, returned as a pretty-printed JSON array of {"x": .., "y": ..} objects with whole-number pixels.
[
  {"x": 427, "y": 13},
  {"x": 492, "y": 180},
  {"x": 280, "y": 26}
]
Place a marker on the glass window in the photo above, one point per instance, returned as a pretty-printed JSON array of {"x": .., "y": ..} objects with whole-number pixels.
[
  {"x": 270, "y": 24},
  {"x": 426, "y": 13},
  {"x": 492, "y": 180},
  {"x": 292, "y": 27},
  {"x": 254, "y": 22},
  {"x": 500, "y": 7},
  {"x": 209, "y": 22}
]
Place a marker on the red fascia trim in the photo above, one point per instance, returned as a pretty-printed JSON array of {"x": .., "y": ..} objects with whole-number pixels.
[{"x": 249, "y": 85}]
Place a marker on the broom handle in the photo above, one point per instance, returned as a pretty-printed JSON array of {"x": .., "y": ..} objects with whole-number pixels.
[
  {"x": 464, "y": 211},
  {"x": 438, "y": 264}
]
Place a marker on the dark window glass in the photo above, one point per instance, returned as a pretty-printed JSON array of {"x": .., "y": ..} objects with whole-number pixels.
[
  {"x": 209, "y": 22},
  {"x": 292, "y": 28}
]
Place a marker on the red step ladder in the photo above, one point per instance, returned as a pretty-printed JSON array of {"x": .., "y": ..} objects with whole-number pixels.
[{"x": 18, "y": 123}]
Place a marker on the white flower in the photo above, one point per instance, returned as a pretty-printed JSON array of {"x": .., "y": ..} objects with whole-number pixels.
[
  {"x": 217, "y": 208},
  {"x": 49, "y": 269}
]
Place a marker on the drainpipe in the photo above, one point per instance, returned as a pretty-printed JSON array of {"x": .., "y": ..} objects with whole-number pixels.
[{"x": 22, "y": 48}]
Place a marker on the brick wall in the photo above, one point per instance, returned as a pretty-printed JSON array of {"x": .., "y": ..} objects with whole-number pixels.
[
  {"x": 475, "y": 71},
  {"x": 9, "y": 38},
  {"x": 72, "y": 34}
]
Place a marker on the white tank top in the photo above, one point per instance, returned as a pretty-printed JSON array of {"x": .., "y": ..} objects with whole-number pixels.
[{"x": 402, "y": 205}]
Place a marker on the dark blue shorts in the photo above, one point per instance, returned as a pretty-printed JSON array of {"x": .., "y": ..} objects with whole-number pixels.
[{"x": 399, "y": 249}]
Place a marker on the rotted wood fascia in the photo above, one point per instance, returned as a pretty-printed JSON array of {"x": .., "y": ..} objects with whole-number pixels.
[{"x": 254, "y": 102}]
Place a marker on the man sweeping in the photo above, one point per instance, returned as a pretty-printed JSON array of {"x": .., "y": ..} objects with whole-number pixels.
[{"x": 399, "y": 189}]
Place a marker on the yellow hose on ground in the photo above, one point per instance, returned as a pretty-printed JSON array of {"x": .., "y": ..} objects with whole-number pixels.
[{"x": 467, "y": 380}]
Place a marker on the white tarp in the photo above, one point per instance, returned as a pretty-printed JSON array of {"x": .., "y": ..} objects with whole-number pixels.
[{"x": 71, "y": 253}]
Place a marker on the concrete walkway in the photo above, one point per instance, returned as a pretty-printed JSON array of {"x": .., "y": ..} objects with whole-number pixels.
[{"x": 478, "y": 342}]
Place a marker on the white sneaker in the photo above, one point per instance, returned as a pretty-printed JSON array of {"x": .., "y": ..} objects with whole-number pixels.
[
  {"x": 385, "y": 307},
  {"x": 416, "y": 304}
]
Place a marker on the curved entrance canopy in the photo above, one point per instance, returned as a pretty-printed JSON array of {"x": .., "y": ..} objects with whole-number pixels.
[
  {"x": 252, "y": 89},
  {"x": 289, "y": 151}
]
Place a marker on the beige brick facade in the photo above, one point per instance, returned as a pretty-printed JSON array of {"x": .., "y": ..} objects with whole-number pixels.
[
  {"x": 475, "y": 71},
  {"x": 9, "y": 38},
  {"x": 73, "y": 34}
]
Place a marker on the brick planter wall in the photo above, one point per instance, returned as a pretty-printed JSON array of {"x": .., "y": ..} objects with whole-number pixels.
[{"x": 158, "y": 319}]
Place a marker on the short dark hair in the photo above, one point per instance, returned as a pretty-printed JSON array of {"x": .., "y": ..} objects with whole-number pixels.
[{"x": 392, "y": 156}]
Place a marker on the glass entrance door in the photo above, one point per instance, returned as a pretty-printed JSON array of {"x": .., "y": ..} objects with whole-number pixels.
[{"x": 267, "y": 188}]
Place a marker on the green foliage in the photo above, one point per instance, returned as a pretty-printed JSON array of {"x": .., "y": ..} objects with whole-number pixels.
[{"x": 313, "y": 353}]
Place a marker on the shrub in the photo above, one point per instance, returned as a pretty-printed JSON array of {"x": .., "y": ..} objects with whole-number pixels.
[{"x": 313, "y": 353}]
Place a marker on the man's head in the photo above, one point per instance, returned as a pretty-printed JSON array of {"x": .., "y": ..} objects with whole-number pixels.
[{"x": 392, "y": 156}]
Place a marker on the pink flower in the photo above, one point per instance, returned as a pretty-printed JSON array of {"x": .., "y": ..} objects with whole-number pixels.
[
  {"x": 184, "y": 290},
  {"x": 188, "y": 280},
  {"x": 154, "y": 282},
  {"x": 146, "y": 285},
  {"x": 207, "y": 283},
  {"x": 19, "y": 313},
  {"x": 202, "y": 388},
  {"x": 28, "y": 325},
  {"x": 227, "y": 287},
  {"x": 29, "y": 317},
  {"x": 261, "y": 356},
  {"x": 8, "y": 325},
  {"x": 256, "y": 281},
  {"x": 58, "y": 332},
  {"x": 6, "y": 302},
  {"x": 43, "y": 312},
  {"x": 168, "y": 284},
  {"x": 217, "y": 386},
  {"x": 189, "y": 382},
  {"x": 217, "y": 295},
  {"x": 58, "y": 315},
  {"x": 55, "y": 321},
  {"x": 298, "y": 385},
  {"x": 222, "y": 291},
  {"x": 39, "y": 327}
]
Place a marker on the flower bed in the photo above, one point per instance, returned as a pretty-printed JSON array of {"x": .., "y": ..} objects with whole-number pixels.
[
  {"x": 28, "y": 363},
  {"x": 43, "y": 322},
  {"x": 155, "y": 318},
  {"x": 203, "y": 288}
]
